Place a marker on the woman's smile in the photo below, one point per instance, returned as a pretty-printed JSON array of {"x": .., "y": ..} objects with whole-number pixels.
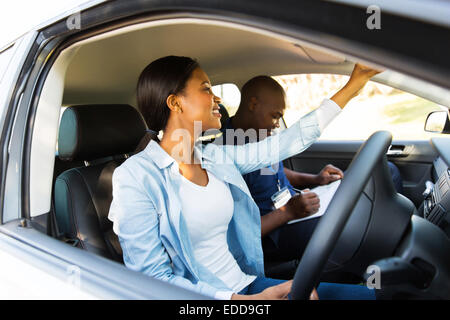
[{"x": 216, "y": 112}]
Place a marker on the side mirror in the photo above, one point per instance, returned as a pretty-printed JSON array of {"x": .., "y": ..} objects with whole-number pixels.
[{"x": 438, "y": 121}]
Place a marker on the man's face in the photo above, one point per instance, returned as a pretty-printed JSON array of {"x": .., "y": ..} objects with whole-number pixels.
[{"x": 268, "y": 108}]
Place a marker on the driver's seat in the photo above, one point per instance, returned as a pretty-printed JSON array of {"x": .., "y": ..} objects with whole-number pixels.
[{"x": 102, "y": 136}]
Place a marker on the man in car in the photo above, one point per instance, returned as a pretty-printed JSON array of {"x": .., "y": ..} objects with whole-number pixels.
[{"x": 261, "y": 107}]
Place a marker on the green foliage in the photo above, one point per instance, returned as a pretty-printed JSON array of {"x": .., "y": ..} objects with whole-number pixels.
[{"x": 415, "y": 110}]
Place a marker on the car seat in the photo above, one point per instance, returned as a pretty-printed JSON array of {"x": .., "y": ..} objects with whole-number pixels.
[{"x": 103, "y": 136}]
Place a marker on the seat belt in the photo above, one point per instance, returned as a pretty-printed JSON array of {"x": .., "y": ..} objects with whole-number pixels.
[
  {"x": 52, "y": 224},
  {"x": 53, "y": 229}
]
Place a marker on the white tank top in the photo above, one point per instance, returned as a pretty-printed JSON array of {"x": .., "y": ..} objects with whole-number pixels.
[{"x": 208, "y": 211}]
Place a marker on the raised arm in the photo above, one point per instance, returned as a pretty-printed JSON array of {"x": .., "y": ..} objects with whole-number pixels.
[
  {"x": 298, "y": 137},
  {"x": 303, "y": 133},
  {"x": 358, "y": 79}
]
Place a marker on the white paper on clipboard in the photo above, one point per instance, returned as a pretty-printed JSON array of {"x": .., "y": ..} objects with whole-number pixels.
[{"x": 325, "y": 194}]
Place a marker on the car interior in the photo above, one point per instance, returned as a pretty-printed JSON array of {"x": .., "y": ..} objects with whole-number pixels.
[{"x": 95, "y": 78}]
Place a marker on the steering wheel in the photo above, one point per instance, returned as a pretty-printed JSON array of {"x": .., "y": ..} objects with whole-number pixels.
[{"x": 332, "y": 223}]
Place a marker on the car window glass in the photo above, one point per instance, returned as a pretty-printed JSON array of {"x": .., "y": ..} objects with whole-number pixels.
[
  {"x": 230, "y": 95},
  {"x": 5, "y": 58},
  {"x": 377, "y": 107}
]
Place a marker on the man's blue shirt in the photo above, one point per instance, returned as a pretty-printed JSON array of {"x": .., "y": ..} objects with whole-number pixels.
[{"x": 262, "y": 183}]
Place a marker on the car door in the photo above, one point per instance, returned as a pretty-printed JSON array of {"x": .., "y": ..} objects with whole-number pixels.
[{"x": 34, "y": 265}]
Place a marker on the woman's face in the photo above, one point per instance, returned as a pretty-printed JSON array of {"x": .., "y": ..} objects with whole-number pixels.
[{"x": 198, "y": 102}]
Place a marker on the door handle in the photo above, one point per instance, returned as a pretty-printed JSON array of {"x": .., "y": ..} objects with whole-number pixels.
[{"x": 397, "y": 150}]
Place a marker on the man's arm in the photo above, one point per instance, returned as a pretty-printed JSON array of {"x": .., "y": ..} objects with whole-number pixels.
[
  {"x": 328, "y": 174},
  {"x": 300, "y": 179},
  {"x": 299, "y": 206},
  {"x": 273, "y": 220}
]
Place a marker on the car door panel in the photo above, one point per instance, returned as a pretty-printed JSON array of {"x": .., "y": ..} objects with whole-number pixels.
[
  {"x": 321, "y": 153},
  {"x": 415, "y": 165},
  {"x": 415, "y": 161},
  {"x": 65, "y": 272}
]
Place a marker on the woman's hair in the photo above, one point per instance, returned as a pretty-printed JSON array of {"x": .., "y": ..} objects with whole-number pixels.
[{"x": 161, "y": 78}]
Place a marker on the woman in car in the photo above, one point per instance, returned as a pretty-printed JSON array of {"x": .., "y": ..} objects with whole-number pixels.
[{"x": 181, "y": 209}]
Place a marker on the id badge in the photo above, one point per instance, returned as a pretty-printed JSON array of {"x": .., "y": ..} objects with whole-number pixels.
[{"x": 281, "y": 197}]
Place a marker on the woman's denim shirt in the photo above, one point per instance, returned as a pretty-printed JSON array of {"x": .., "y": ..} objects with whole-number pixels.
[{"x": 147, "y": 215}]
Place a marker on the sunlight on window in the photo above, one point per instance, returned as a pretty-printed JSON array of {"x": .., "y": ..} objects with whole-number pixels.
[
  {"x": 377, "y": 107},
  {"x": 230, "y": 95}
]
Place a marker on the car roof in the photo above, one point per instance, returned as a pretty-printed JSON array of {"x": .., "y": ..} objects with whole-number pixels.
[
  {"x": 108, "y": 65},
  {"x": 62, "y": 15},
  {"x": 227, "y": 52},
  {"x": 431, "y": 11}
]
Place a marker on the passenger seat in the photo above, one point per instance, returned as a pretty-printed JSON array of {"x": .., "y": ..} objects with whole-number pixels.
[{"x": 102, "y": 136}]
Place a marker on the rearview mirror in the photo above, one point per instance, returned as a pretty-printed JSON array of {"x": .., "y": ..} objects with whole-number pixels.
[{"x": 438, "y": 121}]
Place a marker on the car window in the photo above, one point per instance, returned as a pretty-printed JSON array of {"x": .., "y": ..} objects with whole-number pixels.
[
  {"x": 377, "y": 107},
  {"x": 230, "y": 95},
  {"x": 5, "y": 58}
]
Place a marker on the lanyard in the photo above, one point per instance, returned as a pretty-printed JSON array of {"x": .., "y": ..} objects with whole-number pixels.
[{"x": 278, "y": 175}]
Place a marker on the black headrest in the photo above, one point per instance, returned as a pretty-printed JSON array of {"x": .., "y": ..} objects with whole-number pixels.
[
  {"x": 224, "y": 113},
  {"x": 91, "y": 132}
]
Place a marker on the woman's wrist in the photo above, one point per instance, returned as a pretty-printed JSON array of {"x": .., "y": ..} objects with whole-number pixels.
[
  {"x": 354, "y": 85},
  {"x": 348, "y": 92}
]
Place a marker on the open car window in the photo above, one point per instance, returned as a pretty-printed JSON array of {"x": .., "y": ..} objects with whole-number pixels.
[
  {"x": 230, "y": 95},
  {"x": 377, "y": 107}
]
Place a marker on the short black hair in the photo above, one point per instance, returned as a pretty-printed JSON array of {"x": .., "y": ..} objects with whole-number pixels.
[{"x": 253, "y": 86}]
